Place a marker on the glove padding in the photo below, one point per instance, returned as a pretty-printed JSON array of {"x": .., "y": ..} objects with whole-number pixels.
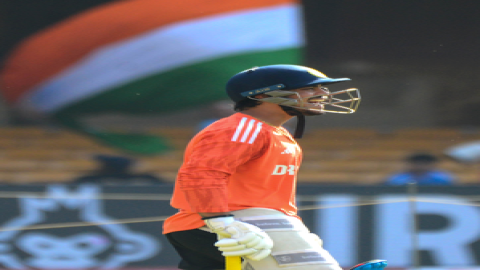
[{"x": 238, "y": 238}]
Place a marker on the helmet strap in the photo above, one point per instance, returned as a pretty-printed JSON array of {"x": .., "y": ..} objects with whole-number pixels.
[
  {"x": 300, "y": 126},
  {"x": 300, "y": 121}
]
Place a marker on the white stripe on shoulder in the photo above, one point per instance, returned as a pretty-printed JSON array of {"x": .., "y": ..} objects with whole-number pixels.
[
  {"x": 257, "y": 130},
  {"x": 239, "y": 129},
  {"x": 249, "y": 129}
]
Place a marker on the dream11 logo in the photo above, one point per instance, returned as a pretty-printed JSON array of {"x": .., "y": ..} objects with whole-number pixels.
[{"x": 103, "y": 246}]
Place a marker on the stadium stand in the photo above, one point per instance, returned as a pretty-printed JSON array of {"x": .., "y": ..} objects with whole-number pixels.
[{"x": 360, "y": 156}]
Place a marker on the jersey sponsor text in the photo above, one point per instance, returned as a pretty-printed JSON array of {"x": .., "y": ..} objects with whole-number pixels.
[{"x": 284, "y": 169}]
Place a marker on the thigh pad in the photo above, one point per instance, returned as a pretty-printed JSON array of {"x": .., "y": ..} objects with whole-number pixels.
[{"x": 295, "y": 248}]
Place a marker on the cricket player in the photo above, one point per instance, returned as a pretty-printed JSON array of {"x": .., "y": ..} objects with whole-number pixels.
[{"x": 235, "y": 191}]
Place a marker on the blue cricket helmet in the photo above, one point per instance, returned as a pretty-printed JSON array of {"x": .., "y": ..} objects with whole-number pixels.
[{"x": 259, "y": 80}]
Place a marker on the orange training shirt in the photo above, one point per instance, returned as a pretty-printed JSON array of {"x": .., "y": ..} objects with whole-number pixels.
[{"x": 235, "y": 163}]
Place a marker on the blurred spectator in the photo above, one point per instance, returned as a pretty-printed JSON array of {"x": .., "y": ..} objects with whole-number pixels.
[
  {"x": 117, "y": 170},
  {"x": 421, "y": 168}
]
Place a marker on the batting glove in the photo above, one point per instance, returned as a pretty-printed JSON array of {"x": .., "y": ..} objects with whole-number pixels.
[{"x": 238, "y": 238}]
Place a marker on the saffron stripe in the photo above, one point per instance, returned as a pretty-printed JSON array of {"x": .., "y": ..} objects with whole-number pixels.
[
  {"x": 239, "y": 129},
  {"x": 257, "y": 130}
]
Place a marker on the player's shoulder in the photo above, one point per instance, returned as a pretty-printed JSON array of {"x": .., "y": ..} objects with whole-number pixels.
[{"x": 238, "y": 127}]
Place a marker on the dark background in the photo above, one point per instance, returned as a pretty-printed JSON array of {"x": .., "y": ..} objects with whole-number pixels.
[
  {"x": 419, "y": 34},
  {"x": 418, "y": 58}
]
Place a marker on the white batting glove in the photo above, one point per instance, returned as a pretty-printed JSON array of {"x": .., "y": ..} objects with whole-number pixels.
[{"x": 238, "y": 238}]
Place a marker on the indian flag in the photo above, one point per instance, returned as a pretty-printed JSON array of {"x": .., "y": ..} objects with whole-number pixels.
[{"x": 148, "y": 56}]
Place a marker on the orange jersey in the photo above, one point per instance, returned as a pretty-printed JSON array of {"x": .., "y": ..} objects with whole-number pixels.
[{"x": 235, "y": 163}]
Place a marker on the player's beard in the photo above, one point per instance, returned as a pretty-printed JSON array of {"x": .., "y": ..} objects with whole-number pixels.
[
  {"x": 295, "y": 111},
  {"x": 311, "y": 113}
]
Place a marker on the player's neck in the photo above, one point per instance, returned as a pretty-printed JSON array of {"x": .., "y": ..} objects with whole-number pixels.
[{"x": 272, "y": 115}]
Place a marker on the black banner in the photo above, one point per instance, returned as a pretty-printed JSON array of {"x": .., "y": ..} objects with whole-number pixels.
[{"x": 91, "y": 226}]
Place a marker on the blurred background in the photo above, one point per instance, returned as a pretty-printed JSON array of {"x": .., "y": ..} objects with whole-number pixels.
[{"x": 98, "y": 98}]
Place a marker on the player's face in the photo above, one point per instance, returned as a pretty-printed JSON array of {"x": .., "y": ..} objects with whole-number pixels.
[{"x": 311, "y": 97}]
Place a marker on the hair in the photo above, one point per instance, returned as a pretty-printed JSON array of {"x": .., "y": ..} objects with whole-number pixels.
[{"x": 246, "y": 103}]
